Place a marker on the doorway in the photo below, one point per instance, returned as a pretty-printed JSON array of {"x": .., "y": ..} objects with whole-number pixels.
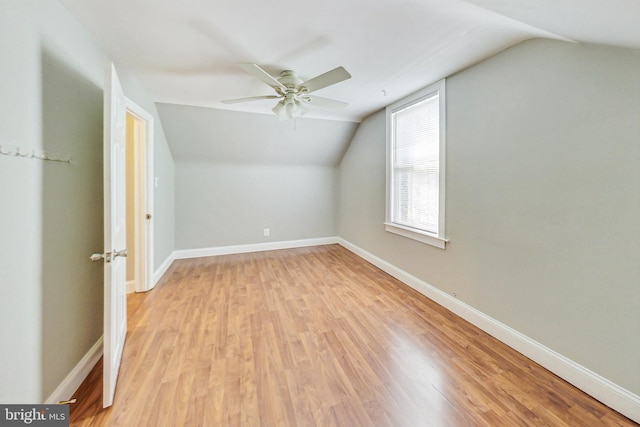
[{"x": 139, "y": 178}]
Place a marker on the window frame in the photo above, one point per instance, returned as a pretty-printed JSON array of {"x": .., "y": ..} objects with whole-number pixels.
[{"x": 435, "y": 239}]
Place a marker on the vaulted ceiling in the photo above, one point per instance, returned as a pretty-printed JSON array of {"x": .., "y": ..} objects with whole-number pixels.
[{"x": 187, "y": 52}]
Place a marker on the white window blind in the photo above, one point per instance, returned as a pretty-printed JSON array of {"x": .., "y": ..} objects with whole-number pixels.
[
  {"x": 415, "y": 173},
  {"x": 416, "y": 165}
]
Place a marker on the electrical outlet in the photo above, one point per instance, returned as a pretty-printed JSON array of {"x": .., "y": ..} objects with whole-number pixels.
[{"x": 267, "y": 232}]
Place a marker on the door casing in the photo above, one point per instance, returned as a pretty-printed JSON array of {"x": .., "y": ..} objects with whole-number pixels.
[{"x": 144, "y": 188}]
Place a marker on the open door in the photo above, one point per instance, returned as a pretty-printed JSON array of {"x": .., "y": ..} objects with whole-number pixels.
[
  {"x": 140, "y": 197},
  {"x": 115, "y": 225}
]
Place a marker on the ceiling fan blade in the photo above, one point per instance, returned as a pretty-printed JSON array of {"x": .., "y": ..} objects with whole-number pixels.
[
  {"x": 327, "y": 79},
  {"x": 262, "y": 75},
  {"x": 318, "y": 101},
  {"x": 251, "y": 98}
]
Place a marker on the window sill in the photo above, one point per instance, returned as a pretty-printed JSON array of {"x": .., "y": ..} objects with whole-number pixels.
[{"x": 421, "y": 236}]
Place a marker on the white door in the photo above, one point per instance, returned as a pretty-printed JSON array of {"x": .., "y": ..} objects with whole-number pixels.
[{"x": 115, "y": 224}]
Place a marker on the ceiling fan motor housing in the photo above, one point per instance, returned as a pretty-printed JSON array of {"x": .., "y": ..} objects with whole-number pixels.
[
  {"x": 294, "y": 92},
  {"x": 289, "y": 79}
]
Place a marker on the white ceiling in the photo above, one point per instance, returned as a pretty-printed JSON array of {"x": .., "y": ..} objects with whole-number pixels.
[{"x": 187, "y": 52}]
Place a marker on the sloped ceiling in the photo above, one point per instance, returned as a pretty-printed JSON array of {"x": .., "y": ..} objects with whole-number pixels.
[
  {"x": 187, "y": 52},
  {"x": 198, "y": 134},
  {"x": 609, "y": 22}
]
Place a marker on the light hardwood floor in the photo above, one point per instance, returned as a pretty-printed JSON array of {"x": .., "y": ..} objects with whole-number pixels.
[{"x": 317, "y": 337}]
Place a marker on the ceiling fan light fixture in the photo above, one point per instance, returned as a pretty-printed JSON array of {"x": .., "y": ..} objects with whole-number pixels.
[
  {"x": 289, "y": 109},
  {"x": 280, "y": 111},
  {"x": 301, "y": 110}
]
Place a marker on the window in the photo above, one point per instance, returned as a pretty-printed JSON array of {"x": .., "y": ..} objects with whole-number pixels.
[{"x": 415, "y": 166}]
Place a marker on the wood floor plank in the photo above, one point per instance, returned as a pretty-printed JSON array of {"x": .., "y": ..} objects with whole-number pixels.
[{"x": 317, "y": 337}]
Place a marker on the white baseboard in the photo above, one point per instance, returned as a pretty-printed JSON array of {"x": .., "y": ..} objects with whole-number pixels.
[
  {"x": 237, "y": 249},
  {"x": 131, "y": 286},
  {"x": 607, "y": 392},
  {"x": 70, "y": 384},
  {"x": 163, "y": 269},
  {"x": 256, "y": 247}
]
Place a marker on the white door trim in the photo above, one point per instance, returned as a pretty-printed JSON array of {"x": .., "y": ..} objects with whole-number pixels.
[{"x": 144, "y": 194}]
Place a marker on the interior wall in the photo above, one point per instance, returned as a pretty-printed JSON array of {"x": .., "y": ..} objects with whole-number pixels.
[
  {"x": 21, "y": 201},
  {"x": 543, "y": 200},
  {"x": 223, "y": 205},
  {"x": 72, "y": 219},
  {"x": 50, "y": 221},
  {"x": 239, "y": 173}
]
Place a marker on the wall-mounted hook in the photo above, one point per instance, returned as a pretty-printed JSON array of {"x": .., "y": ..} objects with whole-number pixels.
[{"x": 35, "y": 154}]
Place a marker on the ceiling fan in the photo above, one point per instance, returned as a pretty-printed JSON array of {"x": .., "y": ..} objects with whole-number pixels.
[{"x": 293, "y": 92}]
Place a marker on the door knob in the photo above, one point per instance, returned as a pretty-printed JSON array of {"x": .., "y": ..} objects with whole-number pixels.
[{"x": 97, "y": 257}]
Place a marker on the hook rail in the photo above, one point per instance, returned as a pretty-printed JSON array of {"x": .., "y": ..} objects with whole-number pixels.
[{"x": 36, "y": 154}]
